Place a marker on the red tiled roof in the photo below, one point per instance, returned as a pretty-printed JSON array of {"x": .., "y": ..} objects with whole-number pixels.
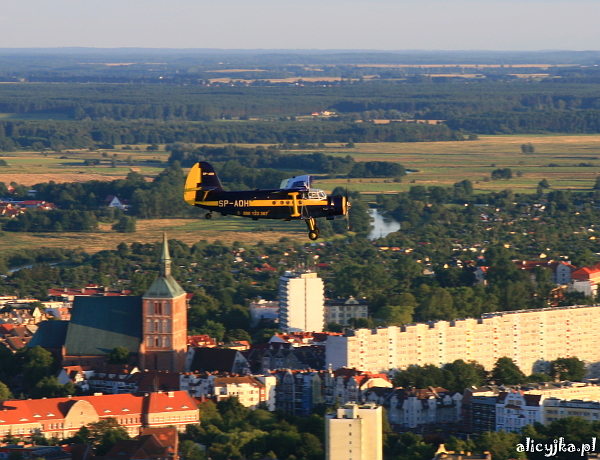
[
  {"x": 6, "y": 328},
  {"x": 40, "y": 410}
]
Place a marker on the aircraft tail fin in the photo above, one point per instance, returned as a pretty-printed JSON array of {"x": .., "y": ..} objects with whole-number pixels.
[{"x": 201, "y": 178}]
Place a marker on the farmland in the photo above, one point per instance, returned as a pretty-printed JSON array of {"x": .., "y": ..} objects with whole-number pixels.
[{"x": 566, "y": 161}]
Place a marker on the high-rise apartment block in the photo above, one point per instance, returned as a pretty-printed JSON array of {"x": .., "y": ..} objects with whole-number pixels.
[
  {"x": 301, "y": 302},
  {"x": 354, "y": 433},
  {"x": 532, "y": 338}
]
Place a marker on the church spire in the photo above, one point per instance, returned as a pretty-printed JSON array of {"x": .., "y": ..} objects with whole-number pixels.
[{"x": 165, "y": 258}]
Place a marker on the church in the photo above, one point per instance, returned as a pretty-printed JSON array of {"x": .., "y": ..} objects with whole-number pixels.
[{"x": 152, "y": 327}]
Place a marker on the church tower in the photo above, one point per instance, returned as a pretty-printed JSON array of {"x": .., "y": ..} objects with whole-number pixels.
[{"x": 164, "y": 343}]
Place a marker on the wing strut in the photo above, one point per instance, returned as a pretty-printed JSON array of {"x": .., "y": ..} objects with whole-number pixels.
[{"x": 295, "y": 212}]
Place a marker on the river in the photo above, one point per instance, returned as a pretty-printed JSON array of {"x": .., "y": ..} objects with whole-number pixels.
[{"x": 382, "y": 225}]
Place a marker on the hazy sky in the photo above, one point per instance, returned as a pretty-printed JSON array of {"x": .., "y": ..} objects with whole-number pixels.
[{"x": 302, "y": 24}]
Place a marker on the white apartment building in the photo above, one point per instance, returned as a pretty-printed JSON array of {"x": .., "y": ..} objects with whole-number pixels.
[
  {"x": 341, "y": 311},
  {"x": 301, "y": 302},
  {"x": 532, "y": 338},
  {"x": 249, "y": 389},
  {"x": 516, "y": 408},
  {"x": 354, "y": 433}
]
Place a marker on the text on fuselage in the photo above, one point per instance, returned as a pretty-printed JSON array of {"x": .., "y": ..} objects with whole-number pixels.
[{"x": 236, "y": 203}]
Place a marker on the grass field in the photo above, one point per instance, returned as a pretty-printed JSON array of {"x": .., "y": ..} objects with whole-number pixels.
[
  {"x": 228, "y": 230},
  {"x": 437, "y": 163},
  {"x": 559, "y": 159},
  {"x": 29, "y": 168}
]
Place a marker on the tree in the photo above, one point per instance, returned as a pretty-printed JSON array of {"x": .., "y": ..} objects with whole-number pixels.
[
  {"x": 119, "y": 355},
  {"x": 420, "y": 377},
  {"x": 502, "y": 445},
  {"x": 527, "y": 148},
  {"x": 104, "y": 434},
  {"x": 461, "y": 375},
  {"x": 213, "y": 329},
  {"x": 572, "y": 369},
  {"x": 35, "y": 363},
  {"x": 406, "y": 270},
  {"x": 125, "y": 225},
  {"x": 190, "y": 451},
  {"x": 506, "y": 372},
  {"x": 544, "y": 183},
  {"x": 4, "y": 392},
  {"x": 501, "y": 173},
  {"x": 398, "y": 315},
  {"x": 50, "y": 387},
  {"x": 436, "y": 303}
]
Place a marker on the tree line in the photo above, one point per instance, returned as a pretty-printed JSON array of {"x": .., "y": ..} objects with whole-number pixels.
[
  {"x": 59, "y": 135},
  {"x": 458, "y": 375},
  {"x": 272, "y": 157}
]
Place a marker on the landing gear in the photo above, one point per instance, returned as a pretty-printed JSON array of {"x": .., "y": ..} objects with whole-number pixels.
[
  {"x": 313, "y": 230},
  {"x": 208, "y": 215}
]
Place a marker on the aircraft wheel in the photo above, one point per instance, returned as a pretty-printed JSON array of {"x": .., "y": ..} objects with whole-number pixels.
[
  {"x": 313, "y": 235},
  {"x": 208, "y": 215}
]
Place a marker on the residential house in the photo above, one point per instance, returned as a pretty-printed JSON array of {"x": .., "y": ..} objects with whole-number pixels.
[
  {"x": 516, "y": 408},
  {"x": 151, "y": 444},
  {"x": 112, "y": 201},
  {"x": 249, "y": 389},
  {"x": 345, "y": 385},
  {"x": 267, "y": 357},
  {"x": 298, "y": 392},
  {"x": 217, "y": 360},
  {"x": 264, "y": 310},
  {"x": 410, "y": 409},
  {"x": 342, "y": 310},
  {"x": 479, "y": 409}
]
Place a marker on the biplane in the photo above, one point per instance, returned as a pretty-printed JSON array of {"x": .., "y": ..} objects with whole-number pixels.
[{"x": 294, "y": 199}]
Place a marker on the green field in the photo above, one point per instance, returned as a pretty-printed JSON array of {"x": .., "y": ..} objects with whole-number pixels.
[
  {"x": 437, "y": 163},
  {"x": 559, "y": 159}
]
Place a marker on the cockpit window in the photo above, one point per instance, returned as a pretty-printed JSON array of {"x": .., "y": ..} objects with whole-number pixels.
[{"x": 315, "y": 194}]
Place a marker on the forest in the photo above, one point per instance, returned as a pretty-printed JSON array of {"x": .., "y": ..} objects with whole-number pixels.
[{"x": 66, "y": 116}]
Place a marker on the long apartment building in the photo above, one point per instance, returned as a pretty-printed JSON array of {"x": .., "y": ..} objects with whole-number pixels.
[
  {"x": 532, "y": 338},
  {"x": 61, "y": 417}
]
